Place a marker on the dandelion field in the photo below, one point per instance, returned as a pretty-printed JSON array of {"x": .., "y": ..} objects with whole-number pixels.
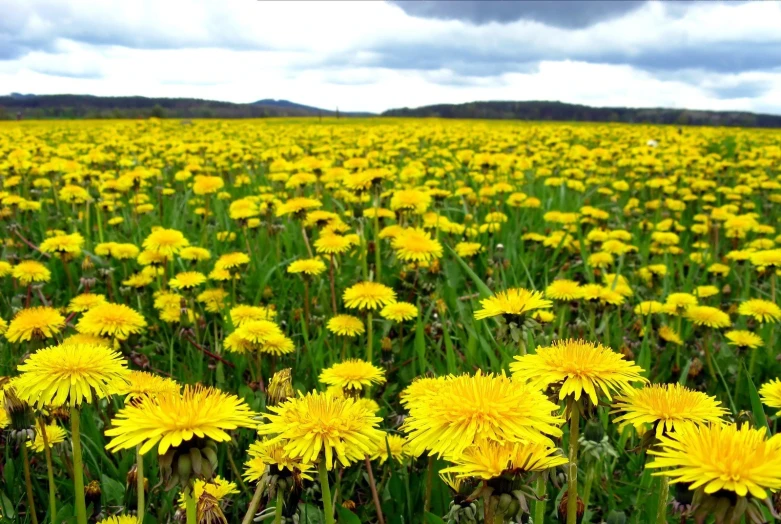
[{"x": 381, "y": 320}]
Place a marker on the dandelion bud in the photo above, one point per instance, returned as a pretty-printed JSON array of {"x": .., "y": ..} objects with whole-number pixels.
[
  {"x": 92, "y": 496},
  {"x": 208, "y": 510},
  {"x": 280, "y": 388},
  {"x": 386, "y": 344},
  {"x": 86, "y": 264}
]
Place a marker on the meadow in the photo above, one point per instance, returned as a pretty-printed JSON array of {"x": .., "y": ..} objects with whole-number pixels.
[{"x": 388, "y": 320}]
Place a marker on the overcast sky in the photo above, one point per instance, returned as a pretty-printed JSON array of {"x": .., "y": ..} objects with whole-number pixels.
[{"x": 371, "y": 56}]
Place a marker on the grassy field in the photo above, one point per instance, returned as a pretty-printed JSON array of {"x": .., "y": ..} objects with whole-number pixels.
[{"x": 634, "y": 258}]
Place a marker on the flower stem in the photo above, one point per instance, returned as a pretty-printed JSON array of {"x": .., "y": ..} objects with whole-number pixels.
[
  {"x": 333, "y": 284},
  {"x": 369, "y": 337},
  {"x": 429, "y": 481},
  {"x": 664, "y": 492},
  {"x": 254, "y": 503},
  {"x": 278, "y": 508},
  {"x": 47, "y": 451},
  {"x": 539, "y": 505},
  {"x": 192, "y": 511},
  {"x": 78, "y": 468},
  {"x": 377, "y": 255},
  {"x": 29, "y": 485},
  {"x": 572, "y": 477},
  {"x": 326, "y": 488},
  {"x": 375, "y": 495},
  {"x": 140, "y": 507}
]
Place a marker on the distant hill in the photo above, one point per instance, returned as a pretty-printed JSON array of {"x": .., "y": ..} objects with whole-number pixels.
[
  {"x": 87, "y": 106},
  {"x": 560, "y": 111}
]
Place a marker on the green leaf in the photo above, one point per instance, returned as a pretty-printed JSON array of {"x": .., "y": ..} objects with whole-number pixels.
[
  {"x": 7, "y": 506},
  {"x": 485, "y": 291},
  {"x": 684, "y": 373},
  {"x": 420, "y": 344},
  {"x": 346, "y": 516},
  {"x": 450, "y": 355},
  {"x": 113, "y": 491},
  {"x": 433, "y": 519},
  {"x": 756, "y": 403}
]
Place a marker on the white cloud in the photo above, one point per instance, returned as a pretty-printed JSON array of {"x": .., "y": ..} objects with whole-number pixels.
[{"x": 372, "y": 56}]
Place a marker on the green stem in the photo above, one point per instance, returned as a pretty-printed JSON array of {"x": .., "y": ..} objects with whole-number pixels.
[
  {"x": 78, "y": 468},
  {"x": 29, "y": 485},
  {"x": 254, "y": 503},
  {"x": 377, "y": 255},
  {"x": 429, "y": 483},
  {"x": 664, "y": 493},
  {"x": 278, "y": 508},
  {"x": 541, "y": 489},
  {"x": 326, "y": 488},
  {"x": 47, "y": 451},
  {"x": 590, "y": 474},
  {"x": 192, "y": 511},
  {"x": 140, "y": 507},
  {"x": 562, "y": 314},
  {"x": 369, "y": 337},
  {"x": 572, "y": 478}
]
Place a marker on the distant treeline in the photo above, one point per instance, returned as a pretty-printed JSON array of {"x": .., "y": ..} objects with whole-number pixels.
[
  {"x": 85, "y": 106},
  {"x": 558, "y": 111}
]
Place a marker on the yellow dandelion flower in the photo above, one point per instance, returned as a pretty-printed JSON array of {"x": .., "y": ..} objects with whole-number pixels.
[
  {"x": 141, "y": 383},
  {"x": 771, "y": 394},
  {"x": 368, "y": 295},
  {"x": 352, "y": 374},
  {"x": 54, "y": 435},
  {"x": 29, "y": 271},
  {"x": 63, "y": 244},
  {"x": 277, "y": 344},
  {"x": 416, "y": 245},
  {"x": 120, "y": 519},
  {"x": 760, "y": 310},
  {"x": 721, "y": 457},
  {"x": 165, "y": 242},
  {"x": 231, "y": 261},
  {"x": 488, "y": 459},
  {"x": 448, "y": 415},
  {"x": 111, "y": 320},
  {"x": 563, "y": 290},
  {"x": 194, "y": 254},
  {"x": 219, "y": 488},
  {"x": 468, "y": 249},
  {"x": 346, "y": 326},
  {"x": 170, "y": 418},
  {"x": 512, "y": 303},
  {"x": 668, "y": 334},
  {"x": 399, "y": 311},
  {"x": 397, "y": 446},
  {"x": 242, "y": 314},
  {"x": 213, "y": 299},
  {"x": 666, "y": 407},
  {"x": 307, "y": 266},
  {"x": 577, "y": 366},
  {"x": 320, "y": 425},
  {"x": 332, "y": 244},
  {"x": 743, "y": 339},
  {"x": 187, "y": 280},
  {"x": 34, "y": 323},
  {"x": 708, "y": 316},
  {"x": 84, "y": 302},
  {"x": 70, "y": 374},
  {"x": 263, "y": 454}
]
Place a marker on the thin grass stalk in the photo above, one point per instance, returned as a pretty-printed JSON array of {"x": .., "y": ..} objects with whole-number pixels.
[
  {"x": 28, "y": 483},
  {"x": 429, "y": 483},
  {"x": 47, "y": 451},
  {"x": 664, "y": 493},
  {"x": 326, "y": 489},
  {"x": 278, "y": 507},
  {"x": 572, "y": 477},
  {"x": 369, "y": 337},
  {"x": 375, "y": 495},
  {"x": 254, "y": 503},
  {"x": 333, "y": 284},
  {"x": 140, "y": 505},
  {"x": 78, "y": 468}
]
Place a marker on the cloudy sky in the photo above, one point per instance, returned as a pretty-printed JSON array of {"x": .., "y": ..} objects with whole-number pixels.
[{"x": 371, "y": 56}]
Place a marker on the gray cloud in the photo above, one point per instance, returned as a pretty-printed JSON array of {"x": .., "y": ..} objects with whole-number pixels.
[{"x": 570, "y": 15}]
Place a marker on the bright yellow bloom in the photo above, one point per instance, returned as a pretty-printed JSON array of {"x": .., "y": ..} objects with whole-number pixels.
[
  {"x": 563, "y": 290},
  {"x": 141, "y": 383},
  {"x": 165, "y": 242},
  {"x": 577, "y": 366},
  {"x": 320, "y": 425},
  {"x": 513, "y": 302},
  {"x": 668, "y": 334},
  {"x": 264, "y": 454},
  {"x": 720, "y": 457},
  {"x": 70, "y": 374},
  {"x": 488, "y": 459},
  {"x": 449, "y": 414},
  {"x": 346, "y": 326},
  {"x": 399, "y": 311},
  {"x": 171, "y": 418},
  {"x": 667, "y": 407},
  {"x": 231, "y": 261},
  {"x": 307, "y": 266},
  {"x": 416, "y": 245},
  {"x": 63, "y": 244},
  {"x": 708, "y": 316},
  {"x": 54, "y": 435},
  {"x": 120, "y": 519},
  {"x": 744, "y": 339},
  {"x": 84, "y": 302},
  {"x": 352, "y": 374},
  {"x": 219, "y": 488},
  {"x": 397, "y": 446},
  {"x": 111, "y": 320},
  {"x": 242, "y": 314},
  {"x": 332, "y": 244},
  {"x": 368, "y": 295},
  {"x": 29, "y": 271},
  {"x": 34, "y": 323},
  {"x": 468, "y": 249},
  {"x": 771, "y": 394},
  {"x": 187, "y": 280},
  {"x": 761, "y": 310}
]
